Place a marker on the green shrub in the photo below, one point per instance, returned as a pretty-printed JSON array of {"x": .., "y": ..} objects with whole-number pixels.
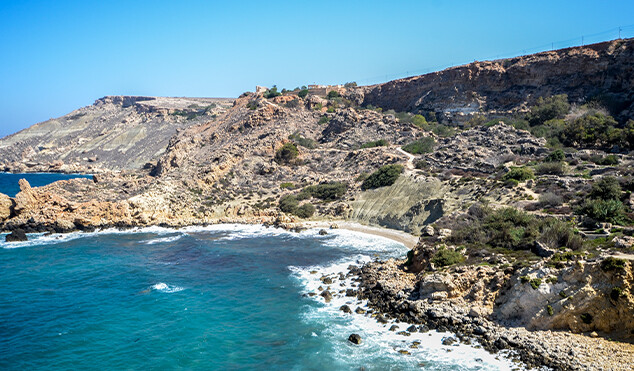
[
  {"x": 375, "y": 143},
  {"x": 323, "y": 120},
  {"x": 550, "y": 310},
  {"x": 535, "y": 282},
  {"x": 305, "y": 210},
  {"x": 329, "y": 191},
  {"x": 510, "y": 228},
  {"x": 556, "y": 233},
  {"x": 562, "y": 294},
  {"x": 445, "y": 257},
  {"x": 252, "y": 105},
  {"x": 302, "y": 93},
  {"x": 586, "y": 318},
  {"x": 613, "y": 264},
  {"x": 555, "y": 156},
  {"x": 555, "y": 107},
  {"x": 385, "y": 176},
  {"x": 286, "y": 185},
  {"x": 288, "y": 204},
  {"x": 421, "y": 164},
  {"x": 419, "y": 120},
  {"x": 424, "y": 145},
  {"x": 606, "y": 188},
  {"x": 616, "y": 293},
  {"x": 592, "y": 130},
  {"x": 551, "y": 168},
  {"x": 351, "y": 84},
  {"x": 525, "y": 279},
  {"x": 611, "y": 211},
  {"x": 548, "y": 199},
  {"x": 331, "y": 109},
  {"x": 333, "y": 94},
  {"x": 302, "y": 141},
  {"x": 519, "y": 173},
  {"x": 605, "y": 161},
  {"x": 271, "y": 93},
  {"x": 286, "y": 154}
]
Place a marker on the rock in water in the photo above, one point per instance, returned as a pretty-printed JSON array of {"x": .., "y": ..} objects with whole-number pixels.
[
  {"x": 16, "y": 236},
  {"x": 354, "y": 339},
  {"x": 5, "y": 207},
  {"x": 322, "y": 232}
]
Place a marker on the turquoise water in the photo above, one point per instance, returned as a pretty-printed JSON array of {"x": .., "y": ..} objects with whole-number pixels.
[
  {"x": 9, "y": 182},
  {"x": 225, "y": 297}
]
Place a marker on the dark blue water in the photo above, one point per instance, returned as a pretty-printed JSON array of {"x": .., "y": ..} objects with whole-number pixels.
[
  {"x": 9, "y": 182},
  {"x": 217, "y": 298}
]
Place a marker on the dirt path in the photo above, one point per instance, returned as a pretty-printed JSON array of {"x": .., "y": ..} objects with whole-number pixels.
[{"x": 410, "y": 158}]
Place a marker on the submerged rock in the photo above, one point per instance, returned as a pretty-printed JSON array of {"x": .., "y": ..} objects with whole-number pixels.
[
  {"x": 346, "y": 309},
  {"x": 16, "y": 236}
]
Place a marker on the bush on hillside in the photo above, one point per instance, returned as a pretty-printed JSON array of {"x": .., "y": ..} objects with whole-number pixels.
[
  {"x": 385, "y": 176},
  {"x": 302, "y": 93},
  {"x": 519, "y": 174},
  {"x": 375, "y": 143},
  {"x": 329, "y": 191},
  {"x": 611, "y": 211},
  {"x": 289, "y": 204},
  {"x": 286, "y": 154},
  {"x": 555, "y": 156},
  {"x": 333, "y": 94},
  {"x": 552, "y": 168},
  {"x": 423, "y": 145},
  {"x": 445, "y": 257},
  {"x": 303, "y": 141},
  {"x": 606, "y": 188},
  {"x": 555, "y": 107},
  {"x": 271, "y": 93}
]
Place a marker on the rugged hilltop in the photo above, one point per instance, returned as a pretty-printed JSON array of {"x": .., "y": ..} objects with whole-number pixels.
[
  {"x": 516, "y": 174},
  {"x": 116, "y": 132},
  {"x": 603, "y": 72}
]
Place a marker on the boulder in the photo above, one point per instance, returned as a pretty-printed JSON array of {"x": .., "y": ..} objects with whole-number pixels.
[
  {"x": 326, "y": 295},
  {"x": 354, "y": 339},
  {"x": 17, "y": 235},
  {"x": 346, "y": 309},
  {"x": 623, "y": 242},
  {"x": 543, "y": 250},
  {"x": 322, "y": 232}
]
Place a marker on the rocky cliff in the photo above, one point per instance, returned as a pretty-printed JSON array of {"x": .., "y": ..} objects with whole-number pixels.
[{"x": 602, "y": 72}]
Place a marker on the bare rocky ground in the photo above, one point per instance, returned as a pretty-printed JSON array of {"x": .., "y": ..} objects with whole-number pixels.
[{"x": 187, "y": 161}]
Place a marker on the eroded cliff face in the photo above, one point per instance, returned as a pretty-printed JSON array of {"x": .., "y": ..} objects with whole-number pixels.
[
  {"x": 603, "y": 71},
  {"x": 115, "y": 133}
]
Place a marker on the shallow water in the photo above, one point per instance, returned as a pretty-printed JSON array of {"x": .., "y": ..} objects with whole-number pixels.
[{"x": 221, "y": 297}]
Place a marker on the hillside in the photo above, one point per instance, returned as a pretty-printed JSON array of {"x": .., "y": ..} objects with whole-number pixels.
[{"x": 115, "y": 132}]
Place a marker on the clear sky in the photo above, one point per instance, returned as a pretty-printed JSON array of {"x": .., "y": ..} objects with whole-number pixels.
[{"x": 57, "y": 56}]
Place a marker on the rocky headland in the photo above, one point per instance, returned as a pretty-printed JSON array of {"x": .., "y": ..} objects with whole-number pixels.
[{"x": 516, "y": 176}]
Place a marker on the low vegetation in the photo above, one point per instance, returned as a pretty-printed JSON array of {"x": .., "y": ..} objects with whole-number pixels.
[
  {"x": 375, "y": 143},
  {"x": 287, "y": 154},
  {"x": 445, "y": 257},
  {"x": 421, "y": 146},
  {"x": 385, "y": 176},
  {"x": 290, "y": 204}
]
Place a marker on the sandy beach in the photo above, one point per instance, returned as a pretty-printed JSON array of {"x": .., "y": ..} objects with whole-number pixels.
[{"x": 399, "y": 236}]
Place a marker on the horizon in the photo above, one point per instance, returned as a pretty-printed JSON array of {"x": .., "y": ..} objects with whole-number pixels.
[{"x": 200, "y": 49}]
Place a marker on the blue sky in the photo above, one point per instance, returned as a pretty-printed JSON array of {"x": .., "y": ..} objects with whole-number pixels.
[{"x": 60, "y": 55}]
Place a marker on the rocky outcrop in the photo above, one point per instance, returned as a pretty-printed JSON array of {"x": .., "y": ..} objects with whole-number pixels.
[
  {"x": 600, "y": 71},
  {"x": 6, "y": 206}
]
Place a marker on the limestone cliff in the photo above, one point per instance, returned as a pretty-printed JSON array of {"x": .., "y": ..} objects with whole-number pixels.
[{"x": 603, "y": 72}]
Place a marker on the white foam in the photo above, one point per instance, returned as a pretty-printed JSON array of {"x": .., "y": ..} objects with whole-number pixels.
[
  {"x": 379, "y": 345},
  {"x": 162, "y": 240},
  {"x": 163, "y": 287}
]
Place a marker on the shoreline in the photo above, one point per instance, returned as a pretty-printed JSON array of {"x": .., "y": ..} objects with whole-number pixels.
[{"x": 404, "y": 238}]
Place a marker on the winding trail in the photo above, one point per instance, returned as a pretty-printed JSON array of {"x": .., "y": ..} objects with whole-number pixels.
[{"x": 410, "y": 158}]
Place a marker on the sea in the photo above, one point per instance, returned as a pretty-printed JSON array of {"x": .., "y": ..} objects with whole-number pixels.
[{"x": 221, "y": 297}]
